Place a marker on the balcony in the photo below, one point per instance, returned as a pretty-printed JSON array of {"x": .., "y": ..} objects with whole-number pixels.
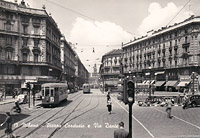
[
  {"x": 163, "y": 58},
  {"x": 25, "y": 49},
  {"x": 36, "y": 49},
  {"x": 159, "y": 58},
  {"x": 185, "y": 45},
  {"x": 36, "y": 22},
  {"x": 185, "y": 55}
]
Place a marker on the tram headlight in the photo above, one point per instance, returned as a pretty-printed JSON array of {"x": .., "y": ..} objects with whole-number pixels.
[
  {"x": 42, "y": 97},
  {"x": 52, "y": 99}
]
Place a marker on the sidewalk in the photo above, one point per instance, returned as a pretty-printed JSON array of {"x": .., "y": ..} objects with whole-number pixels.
[{"x": 8, "y": 99}]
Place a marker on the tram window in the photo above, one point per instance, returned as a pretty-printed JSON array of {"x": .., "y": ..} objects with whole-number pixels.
[
  {"x": 42, "y": 92},
  {"x": 52, "y": 93},
  {"x": 47, "y": 91},
  {"x": 56, "y": 91}
]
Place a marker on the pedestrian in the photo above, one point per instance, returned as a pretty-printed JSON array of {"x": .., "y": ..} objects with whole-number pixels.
[
  {"x": 169, "y": 108},
  {"x": 108, "y": 96},
  {"x": 121, "y": 133},
  {"x": 8, "y": 122},
  {"x": 109, "y": 105},
  {"x": 179, "y": 99},
  {"x": 185, "y": 101}
]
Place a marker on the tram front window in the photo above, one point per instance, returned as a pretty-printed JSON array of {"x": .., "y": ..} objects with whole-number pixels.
[
  {"x": 52, "y": 94},
  {"x": 47, "y": 91}
]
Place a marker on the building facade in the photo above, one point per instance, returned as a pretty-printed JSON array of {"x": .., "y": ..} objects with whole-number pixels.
[
  {"x": 110, "y": 68},
  {"x": 68, "y": 60},
  {"x": 168, "y": 55},
  {"x": 29, "y": 46}
]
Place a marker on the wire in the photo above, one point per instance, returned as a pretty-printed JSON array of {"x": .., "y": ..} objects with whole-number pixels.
[
  {"x": 82, "y": 14},
  {"x": 71, "y": 10},
  {"x": 178, "y": 12}
]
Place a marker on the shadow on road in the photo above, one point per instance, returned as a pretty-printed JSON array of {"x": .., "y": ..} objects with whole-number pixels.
[{"x": 15, "y": 118}]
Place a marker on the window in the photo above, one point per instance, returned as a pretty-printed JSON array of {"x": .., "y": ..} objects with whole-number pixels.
[
  {"x": 36, "y": 42},
  {"x": 8, "y": 41},
  {"x": 25, "y": 29},
  {"x": 8, "y": 55},
  {"x": 25, "y": 56},
  {"x": 35, "y": 57},
  {"x": 36, "y": 30},
  {"x": 24, "y": 41},
  {"x": 186, "y": 39},
  {"x": 175, "y": 42},
  {"x": 8, "y": 26},
  {"x": 47, "y": 91}
]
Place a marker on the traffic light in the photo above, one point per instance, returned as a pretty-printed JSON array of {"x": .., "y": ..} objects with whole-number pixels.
[
  {"x": 131, "y": 91},
  {"x": 125, "y": 100},
  {"x": 28, "y": 86}
]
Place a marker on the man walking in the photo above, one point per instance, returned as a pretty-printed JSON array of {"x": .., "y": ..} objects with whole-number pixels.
[
  {"x": 169, "y": 108},
  {"x": 8, "y": 122},
  {"x": 121, "y": 133}
]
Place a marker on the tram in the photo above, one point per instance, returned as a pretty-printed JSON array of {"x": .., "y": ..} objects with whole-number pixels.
[
  {"x": 86, "y": 88},
  {"x": 54, "y": 93}
]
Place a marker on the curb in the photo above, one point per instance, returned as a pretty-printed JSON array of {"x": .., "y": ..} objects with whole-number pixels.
[{"x": 6, "y": 102}]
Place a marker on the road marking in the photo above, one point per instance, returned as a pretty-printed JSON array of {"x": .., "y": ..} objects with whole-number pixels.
[
  {"x": 136, "y": 120},
  {"x": 179, "y": 119}
]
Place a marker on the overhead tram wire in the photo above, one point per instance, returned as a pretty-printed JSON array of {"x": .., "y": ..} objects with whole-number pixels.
[
  {"x": 179, "y": 12},
  {"x": 71, "y": 10}
]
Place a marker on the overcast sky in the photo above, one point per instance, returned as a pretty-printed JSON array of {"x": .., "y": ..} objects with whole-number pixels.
[{"x": 103, "y": 25}]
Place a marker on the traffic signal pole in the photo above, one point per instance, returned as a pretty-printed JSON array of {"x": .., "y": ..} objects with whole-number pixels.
[{"x": 130, "y": 120}]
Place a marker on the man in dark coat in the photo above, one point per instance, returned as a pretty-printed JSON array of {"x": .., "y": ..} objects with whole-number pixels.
[
  {"x": 8, "y": 122},
  {"x": 121, "y": 133}
]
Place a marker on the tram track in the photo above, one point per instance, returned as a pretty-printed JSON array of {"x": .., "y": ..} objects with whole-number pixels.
[
  {"x": 20, "y": 126},
  {"x": 63, "y": 123},
  {"x": 46, "y": 121},
  {"x": 74, "y": 111}
]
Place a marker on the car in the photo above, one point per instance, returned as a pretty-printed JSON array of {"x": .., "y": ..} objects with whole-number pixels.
[
  {"x": 193, "y": 101},
  {"x": 22, "y": 98},
  {"x": 38, "y": 96}
]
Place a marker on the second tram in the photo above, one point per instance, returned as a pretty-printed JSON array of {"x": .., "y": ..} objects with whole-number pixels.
[{"x": 54, "y": 93}]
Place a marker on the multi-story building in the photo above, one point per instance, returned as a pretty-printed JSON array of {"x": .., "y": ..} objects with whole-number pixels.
[
  {"x": 82, "y": 74},
  {"x": 168, "y": 55},
  {"x": 29, "y": 46},
  {"x": 68, "y": 60},
  {"x": 110, "y": 68}
]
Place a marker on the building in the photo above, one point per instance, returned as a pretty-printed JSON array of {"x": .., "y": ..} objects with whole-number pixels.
[
  {"x": 168, "y": 55},
  {"x": 29, "y": 46},
  {"x": 94, "y": 78},
  {"x": 110, "y": 68},
  {"x": 68, "y": 60}
]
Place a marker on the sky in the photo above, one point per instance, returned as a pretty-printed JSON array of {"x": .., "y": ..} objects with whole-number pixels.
[{"x": 95, "y": 27}]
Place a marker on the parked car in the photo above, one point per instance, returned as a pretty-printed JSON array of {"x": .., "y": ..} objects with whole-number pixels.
[
  {"x": 193, "y": 101},
  {"x": 22, "y": 98},
  {"x": 38, "y": 96}
]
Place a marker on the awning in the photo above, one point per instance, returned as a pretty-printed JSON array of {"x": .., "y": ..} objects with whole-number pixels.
[
  {"x": 147, "y": 82},
  {"x": 143, "y": 82},
  {"x": 153, "y": 81},
  {"x": 168, "y": 83},
  {"x": 161, "y": 72},
  {"x": 159, "y": 83},
  {"x": 183, "y": 83},
  {"x": 173, "y": 83}
]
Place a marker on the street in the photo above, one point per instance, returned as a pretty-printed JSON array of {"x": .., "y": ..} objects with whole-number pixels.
[{"x": 86, "y": 116}]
